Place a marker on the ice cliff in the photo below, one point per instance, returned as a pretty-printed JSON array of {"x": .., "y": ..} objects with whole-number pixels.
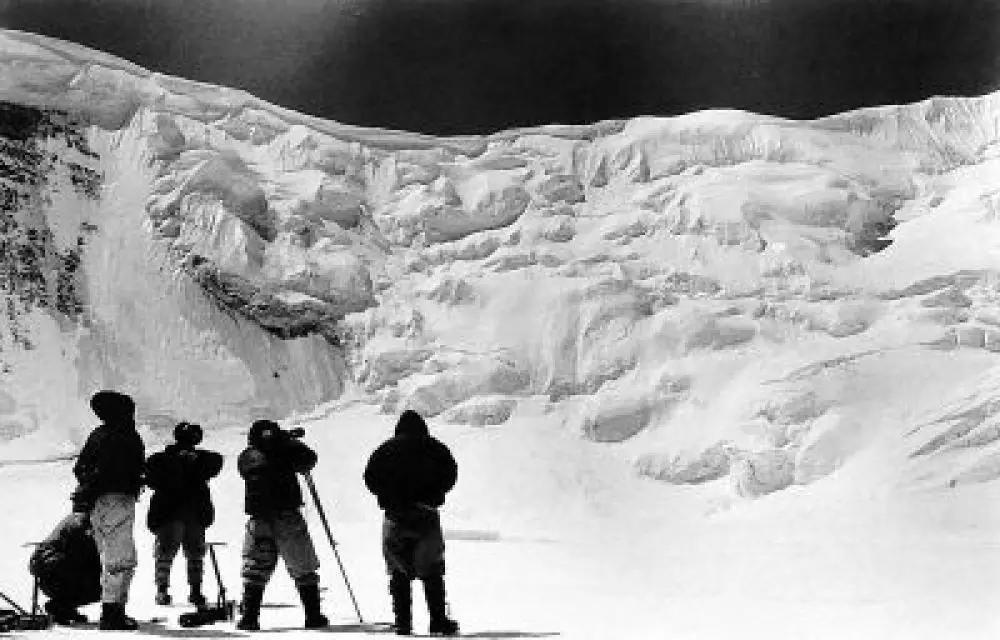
[{"x": 718, "y": 295}]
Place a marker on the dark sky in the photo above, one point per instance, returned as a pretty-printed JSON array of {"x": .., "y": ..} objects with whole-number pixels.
[{"x": 466, "y": 66}]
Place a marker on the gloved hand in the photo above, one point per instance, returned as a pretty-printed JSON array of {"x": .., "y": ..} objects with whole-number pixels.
[
  {"x": 267, "y": 436},
  {"x": 82, "y": 500},
  {"x": 80, "y": 519},
  {"x": 271, "y": 439}
]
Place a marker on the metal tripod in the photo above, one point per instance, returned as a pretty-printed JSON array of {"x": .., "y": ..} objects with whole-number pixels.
[{"x": 333, "y": 543}]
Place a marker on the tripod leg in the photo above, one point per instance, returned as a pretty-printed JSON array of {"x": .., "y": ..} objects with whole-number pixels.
[
  {"x": 333, "y": 543},
  {"x": 218, "y": 576}
]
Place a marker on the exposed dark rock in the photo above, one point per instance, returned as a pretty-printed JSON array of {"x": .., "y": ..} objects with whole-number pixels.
[
  {"x": 34, "y": 271},
  {"x": 279, "y": 318}
]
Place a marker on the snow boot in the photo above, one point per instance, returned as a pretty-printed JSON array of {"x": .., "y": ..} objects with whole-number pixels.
[
  {"x": 441, "y": 624},
  {"x": 196, "y": 597},
  {"x": 113, "y": 618},
  {"x": 309, "y": 593},
  {"x": 250, "y": 608},
  {"x": 64, "y": 615},
  {"x": 399, "y": 589},
  {"x": 162, "y": 596}
]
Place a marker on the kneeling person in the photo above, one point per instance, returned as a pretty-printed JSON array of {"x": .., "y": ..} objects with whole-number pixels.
[
  {"x": 68, "y": 568},
  {"x": 181, "y": 507},
  {"x": 276, "y": 526}
]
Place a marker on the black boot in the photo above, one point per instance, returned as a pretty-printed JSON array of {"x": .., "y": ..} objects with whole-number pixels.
[
  {"x": 441, "y": 624},
  {"x": 196, "y": 597},
  {"x": 309, "y": 593},
  {"x": 63, "y": 614},
  {"x": 250, "y": 608},
  {"x": 75, "y": 617},
  {"x": 113, "y": 618},
  {"x": 399, "y": 589},
  {"x": 195, "y": 572},
  {"x": 162, "y": 595}
]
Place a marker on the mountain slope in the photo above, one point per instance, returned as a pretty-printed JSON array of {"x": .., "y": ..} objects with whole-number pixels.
[{"x": 701, "y": 292}]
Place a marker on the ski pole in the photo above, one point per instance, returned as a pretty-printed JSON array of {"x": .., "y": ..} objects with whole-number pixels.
[{"x": 333, "y": 543}]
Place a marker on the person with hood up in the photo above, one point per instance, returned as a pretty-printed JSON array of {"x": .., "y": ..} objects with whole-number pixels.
[
  {"x": 410, "y": 474},
  {"x": 110, "y": 471},
  {"x": 181, "y": 507},
  {"x": 276, "y": 527},
  {"x": 68, "y": 569}
]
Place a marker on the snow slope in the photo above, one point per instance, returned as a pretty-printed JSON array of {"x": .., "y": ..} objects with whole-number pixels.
[{"x": 716, "y": 363}]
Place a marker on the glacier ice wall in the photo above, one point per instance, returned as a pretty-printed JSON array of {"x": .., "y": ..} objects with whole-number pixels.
[
  {"x": 719, "y": 295},
  {"x": 95, "y": 300}
]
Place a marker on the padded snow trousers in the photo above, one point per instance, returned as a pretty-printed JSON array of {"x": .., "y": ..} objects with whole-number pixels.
[
  {"x": 183, "y": 531},
  {"x": 113, "y": 520},
  {"x": 283, "y": 535},
  {"x": 413, "y": 543}
]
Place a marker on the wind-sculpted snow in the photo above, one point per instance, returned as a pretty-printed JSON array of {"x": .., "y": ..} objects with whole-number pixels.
[{"x": 708, "y": 291}]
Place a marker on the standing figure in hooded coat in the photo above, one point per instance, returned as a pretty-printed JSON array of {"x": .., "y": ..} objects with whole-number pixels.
[
  {"x": 410, "y": 474},
  {"x": 181, "y": 507},
  {"x": 68, "y": 569},
  {"x": 110, "y": 470},
  {"x": 276, "y": 527}
]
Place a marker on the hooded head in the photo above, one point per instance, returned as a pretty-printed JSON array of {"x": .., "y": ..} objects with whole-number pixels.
[
  {"x": 187, "y": 434},
  {"x": 411, "y": 425},
  {"x": 263, "y": 432},
  {"x": 113, "y": 407}
]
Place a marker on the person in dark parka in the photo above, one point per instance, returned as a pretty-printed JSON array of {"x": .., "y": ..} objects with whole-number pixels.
[
  {"x": 181, "y": 507},
  {"x": 67, "y": 566},
  {"x": 276, "y": 527},
  {"x": 410, "y": 474},
  {"x": 110, "y": 471}
]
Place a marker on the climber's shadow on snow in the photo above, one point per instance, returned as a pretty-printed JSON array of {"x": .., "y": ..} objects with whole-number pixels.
[
  {"x": 160, "y": 629},
  {"x": 384, "y": 628},
  {"x": 511, "y": 634},
  {"x": 337, "y": 628}
]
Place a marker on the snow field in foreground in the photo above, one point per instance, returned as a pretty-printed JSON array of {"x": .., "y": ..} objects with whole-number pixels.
[{"x": 562, "y": 548}]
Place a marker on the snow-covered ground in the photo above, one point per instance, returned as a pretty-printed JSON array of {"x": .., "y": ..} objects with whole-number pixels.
[
  {"x": 708, "y": 376},
  {"x": 551, "y": 536}
]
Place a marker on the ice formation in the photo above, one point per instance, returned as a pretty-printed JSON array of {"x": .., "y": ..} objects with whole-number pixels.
[{"x": 716, "y": 295}]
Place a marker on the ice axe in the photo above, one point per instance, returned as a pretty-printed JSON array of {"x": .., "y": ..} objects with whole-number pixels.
[{"x": 333, "y": 543}]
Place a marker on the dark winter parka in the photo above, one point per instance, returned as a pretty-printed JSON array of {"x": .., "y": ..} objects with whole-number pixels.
[
  {"x": 113, "y": 460},
  {"x": 67, "y": 564},
  {"x": 411, "y": 469},
  {"x": 179, "y": 477},
  {"x": 269, "y": 474}
]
